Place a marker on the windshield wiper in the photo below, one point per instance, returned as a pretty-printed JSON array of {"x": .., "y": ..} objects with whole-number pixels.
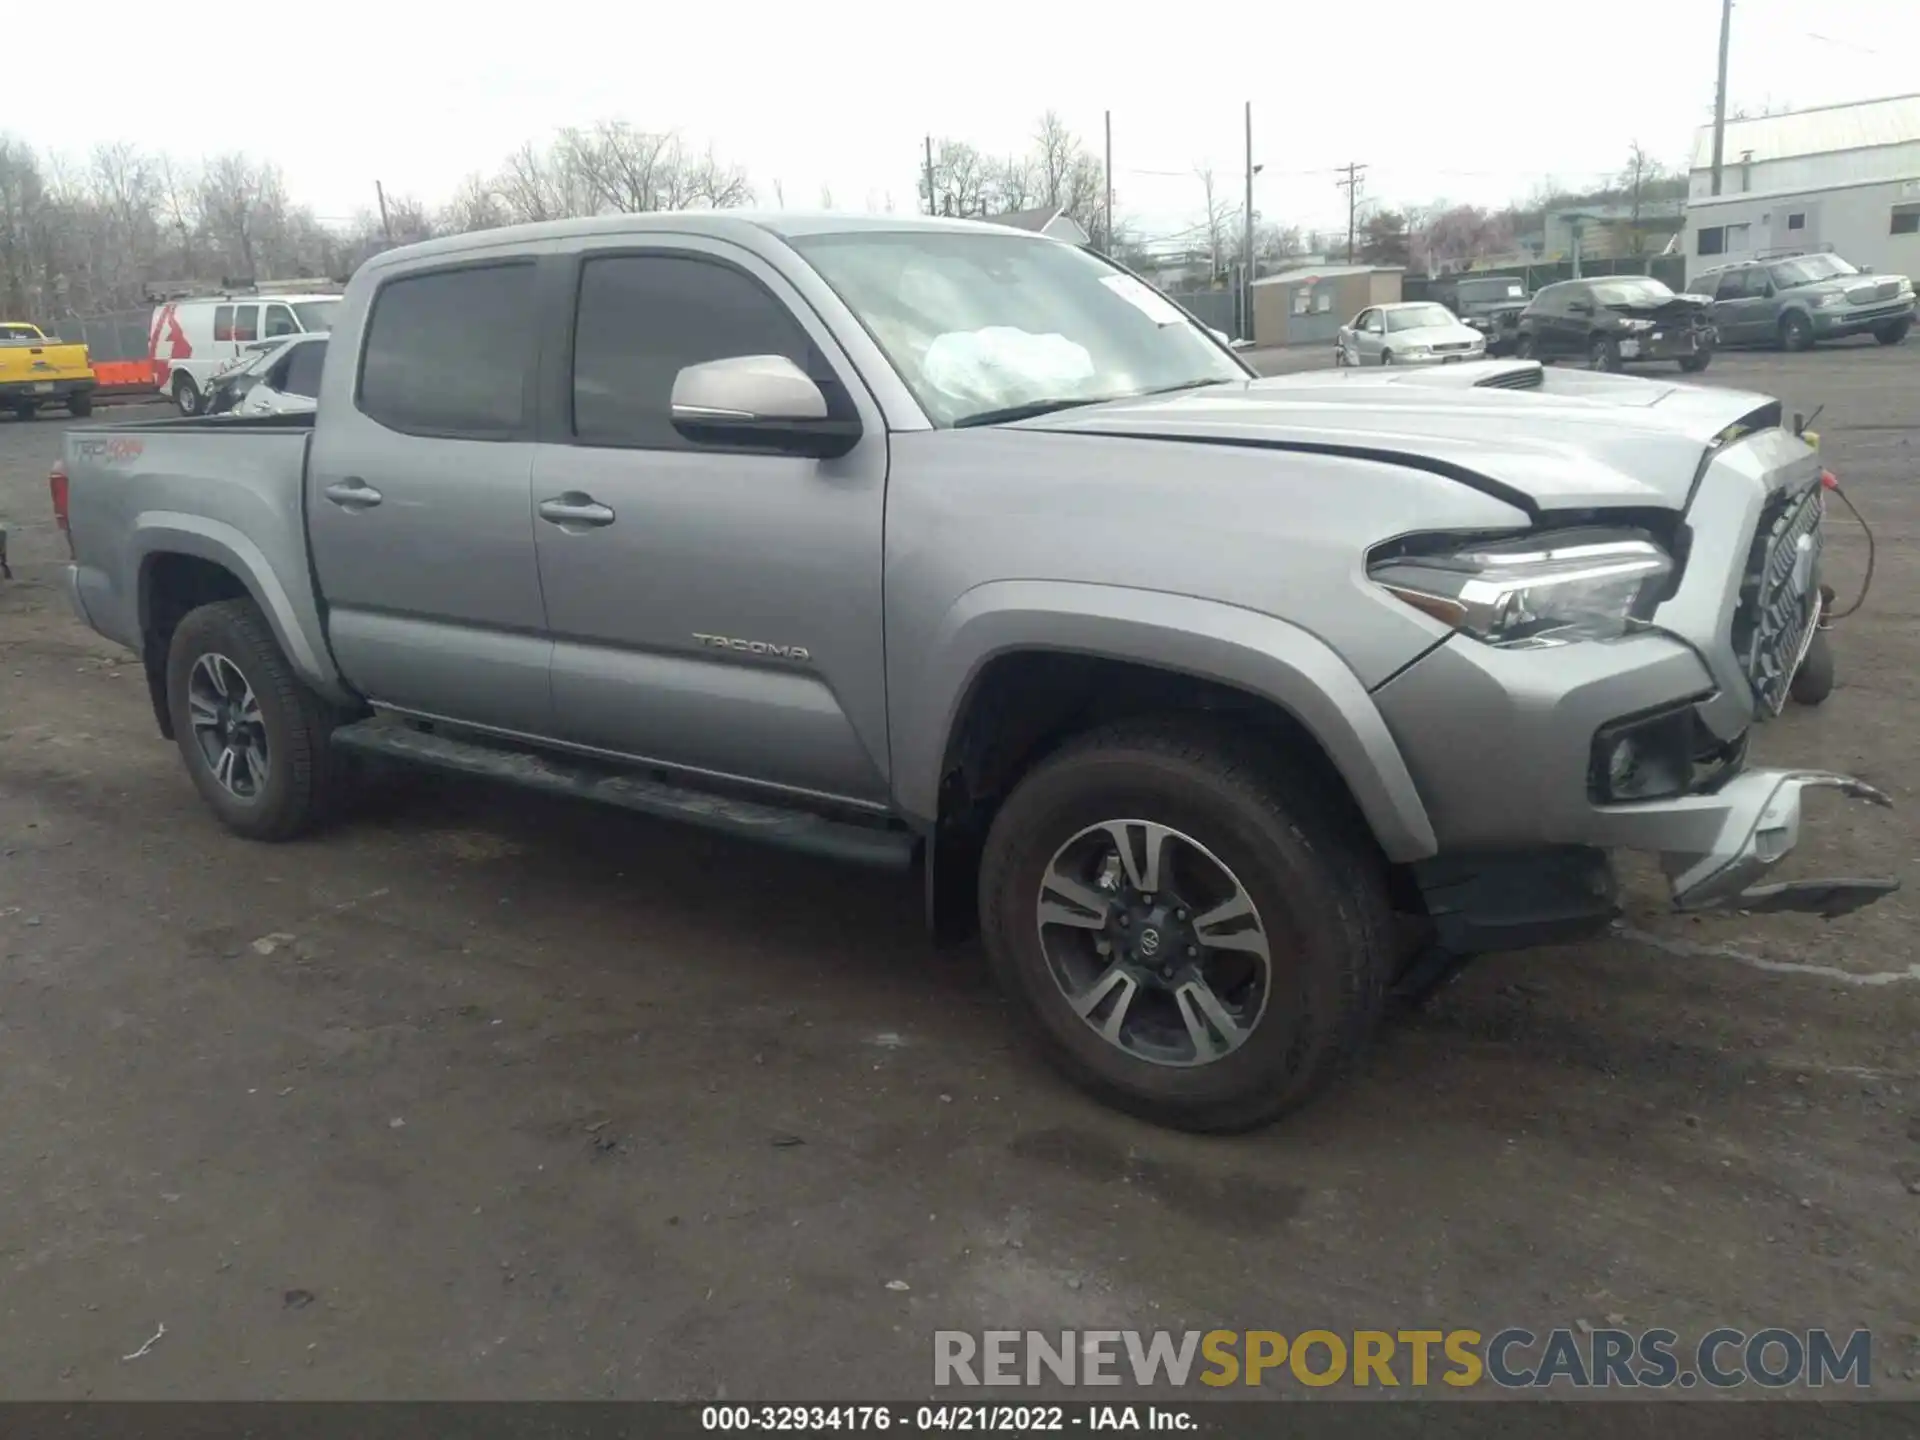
[{"x": 1010, "y": 413}]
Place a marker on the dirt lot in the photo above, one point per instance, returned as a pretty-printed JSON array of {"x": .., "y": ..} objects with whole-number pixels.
[{"x": 482, "y": 1096}]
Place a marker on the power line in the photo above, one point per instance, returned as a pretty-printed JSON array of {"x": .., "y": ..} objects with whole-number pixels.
[{"x": 1351, "y": 184}]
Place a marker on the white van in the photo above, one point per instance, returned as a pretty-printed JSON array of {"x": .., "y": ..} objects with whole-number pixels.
[{"x": 190, "y": 341}]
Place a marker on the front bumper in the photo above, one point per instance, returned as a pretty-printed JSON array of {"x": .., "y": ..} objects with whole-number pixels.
[
  {"x": 1502, "y": 744},
  {"x": 1451, "y": 357},
  {"x": 1665, "y": 343},
  {"x": 1836, "y": 324}
]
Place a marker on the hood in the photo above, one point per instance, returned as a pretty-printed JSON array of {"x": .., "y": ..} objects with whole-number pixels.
[{"x": 1547, "y": 440}]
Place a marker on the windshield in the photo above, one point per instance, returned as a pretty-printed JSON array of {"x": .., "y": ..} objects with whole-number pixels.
[
  {"x": 1636, "y": 291},
  {"x": 1483, "y": 290},
  {"x": 1806, "y": 269},
  {"x": 1418, "y": 317},
  {"x": 982, "y": 325},
  {"x": 317, "y": 314}
]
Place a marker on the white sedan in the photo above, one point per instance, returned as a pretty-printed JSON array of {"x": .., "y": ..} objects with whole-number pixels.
[{"x": 1418, "y": 332}]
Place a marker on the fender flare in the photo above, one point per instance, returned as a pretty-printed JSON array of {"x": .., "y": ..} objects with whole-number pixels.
[
  {"x": 293, "y": 618},
  {"x": 1243, "y": 649}
]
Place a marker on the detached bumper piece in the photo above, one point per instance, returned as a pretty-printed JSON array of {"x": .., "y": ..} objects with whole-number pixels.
[{"x": 1759, "y": 823}]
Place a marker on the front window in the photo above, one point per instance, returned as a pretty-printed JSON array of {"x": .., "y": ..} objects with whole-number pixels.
[
  {"x": 988, "y": 327},
  {"x": 1418, "y": 317},
  {"x": 1807, "y": 269},
  {"x": 317, "y": 314},
  {"x": 1640, "y": 290}
]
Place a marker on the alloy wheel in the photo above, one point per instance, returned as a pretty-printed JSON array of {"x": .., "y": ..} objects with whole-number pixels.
[
  {"x": 228, "y": 726},
  {"x": 1154, "y": 943}
]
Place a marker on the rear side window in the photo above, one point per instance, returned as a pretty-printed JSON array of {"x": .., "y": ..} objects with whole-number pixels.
[
  {"x": 303, "y": 370},
  {"x": 449, "y": 353},
  {"x": 643, "y": 318},
  {"x": 223, "y": 322},
  {"x": 280, "y": 321},
  {"x": 246, "y": 323}
]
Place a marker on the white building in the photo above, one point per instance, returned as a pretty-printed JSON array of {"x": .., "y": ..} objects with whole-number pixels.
[{"x": 1844, "y": 178}]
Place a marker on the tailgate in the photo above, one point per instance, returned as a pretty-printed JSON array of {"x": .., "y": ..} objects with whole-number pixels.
[{"x": 32, "y": 360}]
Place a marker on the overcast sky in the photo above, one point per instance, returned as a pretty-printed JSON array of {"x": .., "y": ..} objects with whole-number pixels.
[{"x": 1465, "y": 101}]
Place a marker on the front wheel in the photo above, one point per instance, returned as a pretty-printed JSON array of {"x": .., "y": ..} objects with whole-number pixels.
[
  {"x": 24, "y": 410},
  {"x": 1694, "y": 364},
  {"x": 1196, "y": 934},
  {"x": 1386, "y": 357},
  {"x": 186, "y": 395},
  {"x": 1524, "y": 348},
  {"x": 1796, "y": 333},
  {"x": 256, "y": 741},
  {"x": 1896, "y": 332}
]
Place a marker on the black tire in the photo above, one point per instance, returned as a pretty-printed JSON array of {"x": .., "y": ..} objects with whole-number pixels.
[
  {"x": 1796, "y": 332},
  {"x": 1524, "y": 348},
  {"x": 1603, "y": 354},
  {"x": 1386, "y": 357},
  {"x": 1298, "y": 851},
  {"x": 304, "y": 781},
  {"x": 80, "y": 405},
  {"x": 1896, "y": 332},
  {"x": 1694, "y": 364},
  {"x": 187, "y": 398},
  {"x": 1813, "y": 681},
  {"x": 25, "y": 410}
]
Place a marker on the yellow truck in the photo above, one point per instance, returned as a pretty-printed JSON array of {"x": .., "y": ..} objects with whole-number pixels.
[{"x": 37, "y": 369}]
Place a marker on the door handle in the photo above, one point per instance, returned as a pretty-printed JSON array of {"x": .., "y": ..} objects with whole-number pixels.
[
  {"x": 575, "y": 509},
  {"x": 352, "y": 493}
]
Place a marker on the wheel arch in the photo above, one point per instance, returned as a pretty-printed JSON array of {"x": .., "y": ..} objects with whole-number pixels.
[
  {"x": 1020, "y": 666},
  {"x": 182, "y": 562}
]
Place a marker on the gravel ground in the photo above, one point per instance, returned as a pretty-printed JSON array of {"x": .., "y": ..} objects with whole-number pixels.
[{"x": 487, "y": 1096}]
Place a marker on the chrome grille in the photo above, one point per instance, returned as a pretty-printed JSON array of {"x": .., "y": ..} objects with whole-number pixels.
[
  {"x": 1866, "y": 294},
  {"x": 1451, "y": 346},
  {"x": 1780, "y": 603}
]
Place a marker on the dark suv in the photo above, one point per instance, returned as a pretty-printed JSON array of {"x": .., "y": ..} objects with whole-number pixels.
[
  {"x": 1491, "y": 304},
  {"x": 1616, "y": 320},
  {"x": 1798, "y": 300}
]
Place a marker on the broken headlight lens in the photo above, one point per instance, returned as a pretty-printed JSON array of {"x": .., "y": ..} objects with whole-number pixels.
[{"x": 1536, "y": 590}]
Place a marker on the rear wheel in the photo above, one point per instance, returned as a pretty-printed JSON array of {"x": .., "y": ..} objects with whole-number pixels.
[
  {"x": 256, "y": 741},
  {"x": 1795, "y": 333},
  {"x": 186, "y": 395},
  {"x": 24, "y": 410},
  {"x": 1896, "y": 332},
  {"x": 1196, "y": 935},
  {"x": 80, "y": 404},
  {"x": 1603, "y": 354}
]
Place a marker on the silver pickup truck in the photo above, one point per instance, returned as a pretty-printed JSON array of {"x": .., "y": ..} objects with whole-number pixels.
[{"x": 1222, "y": 704}]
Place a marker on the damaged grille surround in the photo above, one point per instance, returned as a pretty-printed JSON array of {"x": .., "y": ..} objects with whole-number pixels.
[{"x": 1780, "y": 597}]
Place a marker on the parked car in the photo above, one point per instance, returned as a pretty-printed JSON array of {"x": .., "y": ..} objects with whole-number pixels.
[
  {"x": 1615, "y": 321},
  {"x": 1797, "y": 301},
  {"x": 38, "y": 369},
  {"x": 192, "y": 341},
  {"x": 1491, "y": 304},
  {"x": 1415, "y": 332},
  {"x": 283, "y": 378},
  {"x": 1196, "y": 690}
]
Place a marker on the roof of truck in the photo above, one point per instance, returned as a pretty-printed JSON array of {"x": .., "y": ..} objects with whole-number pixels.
[{"x": 720, "y": 224}]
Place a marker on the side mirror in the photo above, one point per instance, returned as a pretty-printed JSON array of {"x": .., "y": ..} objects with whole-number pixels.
[
  {"x": 1579, "y": 307},
  {"x": 759, "y": 402},
  {"x": 1240, "y": 345}
]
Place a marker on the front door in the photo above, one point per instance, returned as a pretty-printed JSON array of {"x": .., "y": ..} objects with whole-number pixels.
[
  {"x": 418, "y": 507},
  {"x": 712, "y": 610}
]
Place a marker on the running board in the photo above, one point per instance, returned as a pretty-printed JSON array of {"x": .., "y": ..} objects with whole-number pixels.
[{"x": 560, "y": 775}]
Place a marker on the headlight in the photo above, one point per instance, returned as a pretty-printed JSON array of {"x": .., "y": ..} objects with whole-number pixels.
[
  {"x": 1419, "y": 349},
  {"x": 1638, "y": 324},
  {"x": 1829, "y": 300},
  {"x": 1535, "y": 590},
  {"x": 1906, "y": 286}
]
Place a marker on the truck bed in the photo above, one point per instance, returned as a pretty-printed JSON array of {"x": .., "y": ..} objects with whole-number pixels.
[{"x": 225, "y": 490}]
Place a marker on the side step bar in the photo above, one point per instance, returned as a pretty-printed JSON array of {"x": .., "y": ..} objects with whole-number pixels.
[{"x": 560, "y": 775}]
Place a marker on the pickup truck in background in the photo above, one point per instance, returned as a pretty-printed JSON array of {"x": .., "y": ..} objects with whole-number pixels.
[
  {"x": 931, "y": 543},
  {"x": 36, "y": 369}
]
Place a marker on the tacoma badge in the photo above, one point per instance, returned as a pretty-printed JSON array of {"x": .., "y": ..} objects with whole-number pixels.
[{"x": 755, "y": 647}]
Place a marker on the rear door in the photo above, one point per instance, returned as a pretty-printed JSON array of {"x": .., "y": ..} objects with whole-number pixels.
[
  {"x": 719, "y": 610},
  {"x": 1735, "y": 307},
  {"x": 418, "y": 505}
]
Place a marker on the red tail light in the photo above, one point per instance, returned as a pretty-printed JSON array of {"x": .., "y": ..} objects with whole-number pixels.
[
  {"x": 57, "y": 487},
  {"x": 1830, "y": 480}
]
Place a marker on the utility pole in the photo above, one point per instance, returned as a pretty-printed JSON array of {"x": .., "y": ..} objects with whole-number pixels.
[
  {"x": 932, "y": 208},
  {"x": 1246, "y": 256},
  {"x": 1720, "y": 93},
  {"x": 1106, "y": 240},
  {"x": 386, "y": 224},
  {"x": 1351, "y": 185}
]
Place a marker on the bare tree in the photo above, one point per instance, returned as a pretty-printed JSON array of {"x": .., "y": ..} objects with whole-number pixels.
[
  {"x": 1219, "y": 225},
  {"x": 963, "y": 181},
  {"x": 1056, "y": 148},
  {"x": 476, "y": 205}
]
